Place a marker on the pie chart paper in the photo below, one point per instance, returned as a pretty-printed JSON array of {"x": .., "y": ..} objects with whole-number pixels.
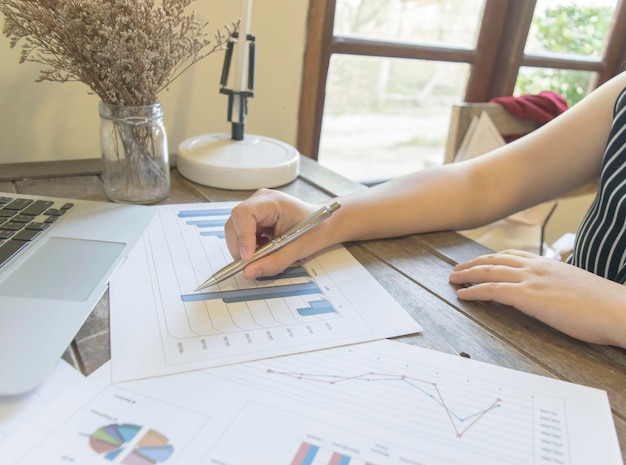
[{"x": 131, "y": 444}]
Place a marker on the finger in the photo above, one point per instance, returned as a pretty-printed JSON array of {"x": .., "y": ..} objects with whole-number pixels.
[
  {"x": 501, "y": 292},
  {"x": 486, "y": 274},
  {"x": 263, "y": 237},
  {"x": 506, "y": 258},
  {"x": 518, "y": 253},
  {"x": 241, "y": 233},
  {"x": 250, "y": 222},
  {"x": 270, "y": 265}
]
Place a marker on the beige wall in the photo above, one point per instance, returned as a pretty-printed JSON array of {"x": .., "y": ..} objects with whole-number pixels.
[{"x": 52, "y": 121}]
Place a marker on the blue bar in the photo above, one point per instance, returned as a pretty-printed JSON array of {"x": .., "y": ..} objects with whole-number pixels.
[
  {"x": 291, "y": 272},
  {"x": 345, "y": 460},
  {"x": 218, "y": 234},
  {"x": 208, "y": 223},
  {"x": 320, "y": 308},
  {"x": 256, "y": 293},
  {"x": 310, "y": 455},
  {"x": 215, "y": 212}
]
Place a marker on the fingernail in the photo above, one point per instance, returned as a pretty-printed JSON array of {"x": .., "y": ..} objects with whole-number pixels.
[{"x": 262, "y": 239}]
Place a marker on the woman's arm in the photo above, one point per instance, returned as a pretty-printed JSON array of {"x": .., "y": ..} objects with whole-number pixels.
[
  {"x": 562, "y": 155},
  {"x": 555, "y": 159}
]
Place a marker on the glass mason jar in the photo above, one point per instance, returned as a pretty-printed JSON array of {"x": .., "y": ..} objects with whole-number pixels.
[{"x": 135, "y": 156}]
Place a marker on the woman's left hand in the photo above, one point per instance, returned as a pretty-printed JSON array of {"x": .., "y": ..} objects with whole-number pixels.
[{"x": 570, "y": 299}]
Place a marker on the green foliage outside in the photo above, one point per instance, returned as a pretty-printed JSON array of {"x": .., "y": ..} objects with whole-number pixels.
[
  {"x": 566, "y": 30},
  {"x": 368, "y": 84}
]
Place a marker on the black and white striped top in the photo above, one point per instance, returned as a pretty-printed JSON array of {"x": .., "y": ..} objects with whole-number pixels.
[{"x": 600, "y": 245}]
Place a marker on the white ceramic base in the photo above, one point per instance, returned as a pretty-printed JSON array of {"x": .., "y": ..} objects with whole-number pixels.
[{"x": 216, "y": 160}]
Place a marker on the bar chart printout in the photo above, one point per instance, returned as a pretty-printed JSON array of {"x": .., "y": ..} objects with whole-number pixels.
[
  {"x": 376, "y": 403},
  {"x": 160, "y": 326},
  {"x": 308, "y": 454}
]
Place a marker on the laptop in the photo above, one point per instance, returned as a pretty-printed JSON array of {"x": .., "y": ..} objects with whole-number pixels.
[{"x": 56, "y": 258}]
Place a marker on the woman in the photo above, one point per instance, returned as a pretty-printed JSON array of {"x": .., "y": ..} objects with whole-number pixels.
[{"x": 585, "y": 298}]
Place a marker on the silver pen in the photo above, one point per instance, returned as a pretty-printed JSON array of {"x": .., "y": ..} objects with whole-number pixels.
[{"x": 285, "y": 238}]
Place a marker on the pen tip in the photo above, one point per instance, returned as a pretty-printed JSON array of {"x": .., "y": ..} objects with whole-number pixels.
[{"x": 207, "y": 283}]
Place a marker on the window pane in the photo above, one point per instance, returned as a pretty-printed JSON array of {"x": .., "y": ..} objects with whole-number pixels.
[
  {"x": 386, "y": 117},
  {"x": 576, "y": 28},
  {"x": 436, "y": 22},
  {"x": 571, "y": 85}
]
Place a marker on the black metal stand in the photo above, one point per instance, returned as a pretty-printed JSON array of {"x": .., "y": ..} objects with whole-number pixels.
[{"x": 238, "y": 100}]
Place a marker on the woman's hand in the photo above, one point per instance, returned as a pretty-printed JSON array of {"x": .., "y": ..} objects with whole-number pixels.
[
  {"x": 570, "y": 299},
  {"x": 266, "y": 214}
]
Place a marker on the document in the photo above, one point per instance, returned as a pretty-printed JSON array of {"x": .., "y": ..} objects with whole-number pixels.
[
  {"x": 376, "y": 403},
  {"x": 16, "y": 411},
  {"x": 159, "y": 326}
]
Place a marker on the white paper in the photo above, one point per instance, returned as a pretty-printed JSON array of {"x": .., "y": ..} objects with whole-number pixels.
[
  {"x": 376, "y": 403},
  {"x": 16, "y": 411},
  {"x": 158, "y": 327}
]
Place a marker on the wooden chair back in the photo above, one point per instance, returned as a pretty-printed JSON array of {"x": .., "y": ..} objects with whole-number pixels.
[
  {"x": 507, "y": 125},
  {"x": 462, "y": 114}
]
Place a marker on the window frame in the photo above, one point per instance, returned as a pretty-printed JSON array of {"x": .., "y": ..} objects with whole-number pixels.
[{"x": 500, "y": 46}]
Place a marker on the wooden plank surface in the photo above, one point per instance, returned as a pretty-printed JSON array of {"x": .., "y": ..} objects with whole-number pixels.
[{"x": 413, "y": 269}]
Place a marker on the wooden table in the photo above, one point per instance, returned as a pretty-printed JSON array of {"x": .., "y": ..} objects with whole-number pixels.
[{"x": 413, "y": 269}]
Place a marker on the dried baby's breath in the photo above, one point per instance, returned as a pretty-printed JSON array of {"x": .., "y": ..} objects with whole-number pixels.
[{"x": 125, "y": 51}]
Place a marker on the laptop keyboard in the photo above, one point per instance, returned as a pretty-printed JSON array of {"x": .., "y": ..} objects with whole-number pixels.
[{"x": 23, "y": 220}]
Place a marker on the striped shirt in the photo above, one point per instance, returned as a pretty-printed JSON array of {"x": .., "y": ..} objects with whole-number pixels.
[{"x": 600, "y": 245}]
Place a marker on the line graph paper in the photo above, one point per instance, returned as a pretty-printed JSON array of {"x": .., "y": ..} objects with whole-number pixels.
[
  {"x": 460, "y": 422},
  {"x": 473, "y": 410},
  {"x": 376, "y": 403}
]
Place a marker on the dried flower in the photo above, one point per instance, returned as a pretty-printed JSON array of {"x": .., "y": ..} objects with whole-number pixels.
[{"x": 125, "y": 51}]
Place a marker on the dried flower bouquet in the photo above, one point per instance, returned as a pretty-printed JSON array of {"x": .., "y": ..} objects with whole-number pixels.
[{"x": 126, "y": 52}]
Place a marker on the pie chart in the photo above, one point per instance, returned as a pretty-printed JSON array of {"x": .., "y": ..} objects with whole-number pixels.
[{"x": 131, "y": 444}]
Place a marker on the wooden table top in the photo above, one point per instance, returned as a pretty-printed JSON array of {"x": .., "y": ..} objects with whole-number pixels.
[{"x": 413, "y": 269}]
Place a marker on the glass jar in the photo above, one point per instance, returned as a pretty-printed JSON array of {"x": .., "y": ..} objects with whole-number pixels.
[{"x": 135, "y": 154}]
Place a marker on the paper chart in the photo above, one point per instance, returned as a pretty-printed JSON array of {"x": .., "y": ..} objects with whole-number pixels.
[
  {"x": 160, "y": 326},
  {"x": 16, "y": 411},
  {"x": 377, "y": 403}
]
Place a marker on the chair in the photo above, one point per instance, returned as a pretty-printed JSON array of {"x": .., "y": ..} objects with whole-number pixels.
[
  {"x": 506, "y": 123},
  {"x": 463, "y": 113}
]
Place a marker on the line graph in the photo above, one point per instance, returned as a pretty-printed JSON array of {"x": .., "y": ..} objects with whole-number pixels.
[
  {"x": 377, "y": 403},
  {"x": 435, "y": 401},
  {"x": 460, "y": 423}
]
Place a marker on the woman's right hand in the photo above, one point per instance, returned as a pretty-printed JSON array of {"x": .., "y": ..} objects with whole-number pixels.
[{"x": 267, "y": 214}]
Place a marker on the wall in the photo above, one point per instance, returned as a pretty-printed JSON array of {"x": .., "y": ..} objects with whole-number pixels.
[{"x": 53, "y": 121}]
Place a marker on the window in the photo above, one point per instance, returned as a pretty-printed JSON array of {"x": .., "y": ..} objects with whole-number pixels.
[{"x": 381, "y": 75}]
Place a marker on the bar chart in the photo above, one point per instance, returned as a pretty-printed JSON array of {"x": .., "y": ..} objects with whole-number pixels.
[
  {"x": 209, "y": 223},
  {"x": 324, "y": 301},
  {"x": 311, "y": 454}
]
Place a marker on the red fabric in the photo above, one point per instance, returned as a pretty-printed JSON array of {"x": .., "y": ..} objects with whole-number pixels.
[{"x": 541, "y": 107}]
